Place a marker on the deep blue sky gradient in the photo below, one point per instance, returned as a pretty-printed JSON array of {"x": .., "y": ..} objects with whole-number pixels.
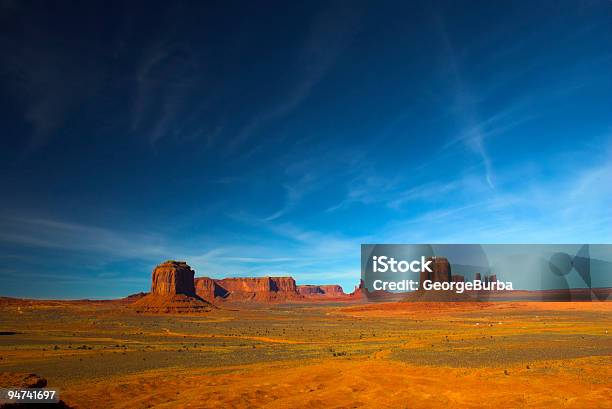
[{"x": 263, "y": 138}]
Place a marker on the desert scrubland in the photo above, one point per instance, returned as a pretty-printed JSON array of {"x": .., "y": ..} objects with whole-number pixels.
[{"x": 344, "y": 355}]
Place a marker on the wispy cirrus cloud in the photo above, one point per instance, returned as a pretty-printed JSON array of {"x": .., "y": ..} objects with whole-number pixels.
[
  {"x": 64, "y": 235},
  {"x": 166, "y": 77},
  {"x": 330, "y": 34},
  {"x": 46, "y": 80},
  {"x": 465, "y": 104}
]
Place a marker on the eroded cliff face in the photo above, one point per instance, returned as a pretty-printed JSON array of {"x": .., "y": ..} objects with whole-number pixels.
[
  {"x": 359, "y": 292},
  {"x": 265, "y": 289},
  {"x": 440, "y": 271},
  {"x": 258, "y": 284},
  {"x": 172, "y": 291},
  {"x": 321, "y": 291},
  {"x": 208, "y": 289},
  {"x": 310, "y": 290},
  {"x": 284, "y": 285},
  {"x": 173, "y": 277},
  {"x": 261, "y": 289}
]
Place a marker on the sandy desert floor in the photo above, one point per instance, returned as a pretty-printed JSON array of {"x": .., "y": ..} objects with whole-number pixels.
[{"x": 387, "y": 355}]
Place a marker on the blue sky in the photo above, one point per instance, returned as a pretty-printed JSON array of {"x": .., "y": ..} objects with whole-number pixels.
[{"x": 275, "y": 138}]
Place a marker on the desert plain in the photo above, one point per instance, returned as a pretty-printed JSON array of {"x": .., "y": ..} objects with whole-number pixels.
[{"x": 311, "y": 355}]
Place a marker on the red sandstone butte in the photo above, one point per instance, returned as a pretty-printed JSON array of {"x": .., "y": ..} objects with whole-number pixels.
[
  {"x": 440, "y": 271},
  {"x": 173, "y": 277},
  {"x": 172, "y": 291},
  {"x": 458, "y": 278},
  {"x": 359, "y": 291}
]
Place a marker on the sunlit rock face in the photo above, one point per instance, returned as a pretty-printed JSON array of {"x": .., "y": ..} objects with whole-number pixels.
[
  {"x": 172, "y": 291},
  {"x": 173, "y": 277},
  {"x": 209, "y": 290},
  {"x": 259, "y": 288}
]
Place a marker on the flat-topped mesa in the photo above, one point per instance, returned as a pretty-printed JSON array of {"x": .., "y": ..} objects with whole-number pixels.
[
  {"x": 283, "y": 284},
  {"x": 321, "y": 291},
  {"x": 208, "y": 289},
  {"x": 260, "y": 288},
  {"x": 173, "y": 277},
  {"x": 333, "y": 289},
  {"x": 457, "y": 278},
  {"x": 258, "y": 284},
  {"x": 263, "y": 289},
  {"x": 310, "y": 290}
]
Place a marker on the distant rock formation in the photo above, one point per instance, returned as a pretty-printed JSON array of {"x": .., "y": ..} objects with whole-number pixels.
[
  {"x": 440, "y": 271},
  {"x": 261, "y": 289},
  {"x": 209, "y": 290},
  {"x": 359, "y": 291},
  {"x": 264, "y": 289},
  {"x": 283, "y": 285},
  {"x": 173, "y": 277},
  {"x": 259, "y": 284},
  {"x": 172, "y": 291},
  {"x": 321, "y": 291},
  {"x": 310, "y": 290},
  {"x": 333, "y": 290},
  {"x": 133, "y": 297}
]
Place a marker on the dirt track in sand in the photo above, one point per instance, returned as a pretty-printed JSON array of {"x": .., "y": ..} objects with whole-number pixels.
[{"x": 374, "y": 355}]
